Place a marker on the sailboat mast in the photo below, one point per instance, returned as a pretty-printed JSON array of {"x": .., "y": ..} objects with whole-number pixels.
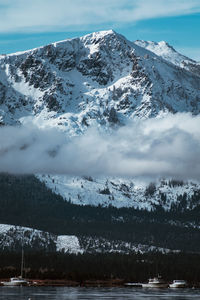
[{"x": 22, "y": 263}]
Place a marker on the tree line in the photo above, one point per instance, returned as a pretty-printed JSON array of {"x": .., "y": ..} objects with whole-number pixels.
[
  {"x": 134, "y": 267},
  {"x": 26, "y": 201}
]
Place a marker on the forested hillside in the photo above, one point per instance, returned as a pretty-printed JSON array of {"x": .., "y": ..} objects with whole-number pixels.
[
  {"x": 135, "y": 267},
  {"x": 25, "y": 201}
]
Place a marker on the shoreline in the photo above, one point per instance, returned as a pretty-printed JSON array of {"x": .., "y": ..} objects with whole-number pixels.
[
  {"x": 71, "y": 283},
  {"x": 86, "y": 283}
]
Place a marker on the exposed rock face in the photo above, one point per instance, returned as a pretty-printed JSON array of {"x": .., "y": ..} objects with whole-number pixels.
[
  {"x": 89, "y": 77},
  {"x": 100, "y": 78}
]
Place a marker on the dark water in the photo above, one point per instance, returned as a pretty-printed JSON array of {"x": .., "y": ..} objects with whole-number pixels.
[{"x": 62, "y": 293}]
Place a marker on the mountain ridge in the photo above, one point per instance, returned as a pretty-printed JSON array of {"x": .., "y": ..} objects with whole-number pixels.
[
  {"x": 101, "y": 78},
  {"x": 27, "y": 202},
  {"x": 167, "y": 52},
  {"x": 89, "y": 76}
]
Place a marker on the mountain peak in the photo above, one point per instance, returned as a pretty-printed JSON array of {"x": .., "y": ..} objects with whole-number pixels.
[
  {"x": 166, "y": 45},
  {"x": 100, "y": 77},
  {"x": 93, "y": 36},
  {"x": 101, "y": 35},
  {"x": 167, "y": 52},
  {"x": 157, "y": 47}
]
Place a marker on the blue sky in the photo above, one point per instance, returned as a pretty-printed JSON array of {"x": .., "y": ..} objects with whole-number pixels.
[{"x": 25, "y": 24}]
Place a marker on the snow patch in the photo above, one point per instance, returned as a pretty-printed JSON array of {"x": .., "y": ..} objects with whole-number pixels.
[{"x": 67, "y": 243}]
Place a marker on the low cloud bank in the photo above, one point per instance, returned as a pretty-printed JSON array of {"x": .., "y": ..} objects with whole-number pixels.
[{"x": 167, "y": 147}]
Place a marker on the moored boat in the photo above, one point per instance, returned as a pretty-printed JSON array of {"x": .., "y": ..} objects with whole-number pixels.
[
  {"x": 178, "y": 284},
  {"x": 156, "y": 282},
  {"x": 15, "y": 281}
]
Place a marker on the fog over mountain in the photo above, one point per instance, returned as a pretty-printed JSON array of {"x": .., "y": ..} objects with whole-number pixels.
[
  {"x": 158, "y": 147},
  {"x": 101, "y": 105},
  {"x": 110, "y": 130}
]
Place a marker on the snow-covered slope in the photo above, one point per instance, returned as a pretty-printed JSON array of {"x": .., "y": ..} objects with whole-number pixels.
[
  {"x": 68, "y": 243},
  {"x": 168, "y": 53},
  {"x": 102, "y": 245},
  {"x": 100, "y": 78},
  {"x": 12, "y": 238},
  {"x": 123, "y": 192}
]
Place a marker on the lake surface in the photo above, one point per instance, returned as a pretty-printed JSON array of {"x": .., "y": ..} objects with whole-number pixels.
[{"x": 71, "y": 293}]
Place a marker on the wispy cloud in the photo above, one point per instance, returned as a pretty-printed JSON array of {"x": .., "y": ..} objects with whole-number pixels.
[
  {"x": 51, "y": 15},
  {"x": 168, "y": 147}
]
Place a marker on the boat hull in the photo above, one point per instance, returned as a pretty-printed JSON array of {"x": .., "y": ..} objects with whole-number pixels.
[
  {"x": 177, "y": 286},
  {"x": 155, "y": 285},
  {"x": 14, "y": 283}
]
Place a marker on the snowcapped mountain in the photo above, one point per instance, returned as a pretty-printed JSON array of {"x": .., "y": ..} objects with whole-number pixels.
[
  {"x": 168, "y": 53},
  {"x": 104, "y": 79},
  {"x": 101, "y": 77}
]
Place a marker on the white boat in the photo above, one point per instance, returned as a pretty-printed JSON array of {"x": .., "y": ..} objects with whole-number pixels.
[
  {"x": 178, "y": 284},
  {"x": 156, "y": 282},
  {"x": 17, "y": 281}
]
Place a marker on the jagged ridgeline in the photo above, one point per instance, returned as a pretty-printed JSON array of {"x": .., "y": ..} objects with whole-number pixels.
[
  {"x": 105, "y": 80},
  {"x": 25, "y": 201},
  {"x": 100, "y": 77}
]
